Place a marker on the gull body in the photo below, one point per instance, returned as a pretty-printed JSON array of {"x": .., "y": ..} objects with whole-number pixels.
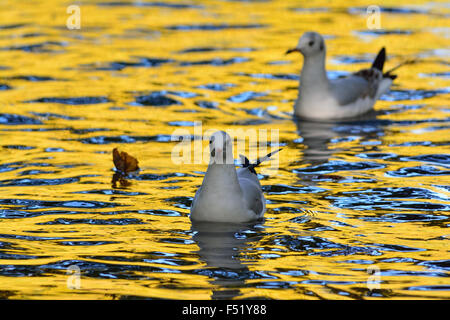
[
  {"x": 227, "y": 194},
  {"x": 321, "y": 98}
]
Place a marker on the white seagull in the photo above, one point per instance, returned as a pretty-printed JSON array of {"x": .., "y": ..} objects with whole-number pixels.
[
  {"x": 321, "y": 98},
  {"x": 227, "y": 195}
]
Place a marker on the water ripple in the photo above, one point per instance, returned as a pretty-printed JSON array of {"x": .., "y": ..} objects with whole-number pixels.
[
  {"x": 71, "y": 101},
  {"x": 418, "y": 171},
  {"x": 336, "y": 166},
  {"x": 213, "y": 27},
  {"x": 28, "y": 204},
  {"x": 14, "y": 119}
]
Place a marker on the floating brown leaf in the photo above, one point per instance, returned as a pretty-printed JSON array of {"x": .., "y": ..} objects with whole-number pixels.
[{"x": 124, "y": 162}]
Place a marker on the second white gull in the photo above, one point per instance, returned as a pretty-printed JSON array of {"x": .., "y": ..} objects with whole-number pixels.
[{"x": 321, "y": 98}]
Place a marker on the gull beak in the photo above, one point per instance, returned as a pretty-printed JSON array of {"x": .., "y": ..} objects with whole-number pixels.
[{"x": 293, "y": 50}]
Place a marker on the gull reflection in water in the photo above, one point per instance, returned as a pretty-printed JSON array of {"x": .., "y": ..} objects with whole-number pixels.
[
  {"x": 221, "y": 247},
  {"x": 321, "y": 139}
]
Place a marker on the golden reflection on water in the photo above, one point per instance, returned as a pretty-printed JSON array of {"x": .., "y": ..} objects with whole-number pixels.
[{"x": 138, "y": 241}]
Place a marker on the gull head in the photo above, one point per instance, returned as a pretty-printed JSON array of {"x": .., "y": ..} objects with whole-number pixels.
[
  {"x": 310, "y": 44},
  {"x": 221, "y": 148}
]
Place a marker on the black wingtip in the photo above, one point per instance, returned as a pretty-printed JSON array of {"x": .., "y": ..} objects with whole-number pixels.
[
  {"x": 246, "y": 164},
  {"x": 388, "y": 75},
  {"x": 378, "y": 63},
  {"x": 245, "y": 161},
  {"x": 251, "y": 166}
]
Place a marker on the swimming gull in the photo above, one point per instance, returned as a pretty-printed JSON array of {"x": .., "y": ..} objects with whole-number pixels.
[
  {"x": 322, "y": 98},
  {"x": 227, "y": 194}
]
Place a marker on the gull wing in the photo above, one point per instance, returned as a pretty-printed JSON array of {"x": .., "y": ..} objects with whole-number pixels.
[
  {"x": 253, "y": 195},
  {"x": 364, "y": 83},
  {"x": 359, "y": 85},
  {"x": 199, "y": 190}
]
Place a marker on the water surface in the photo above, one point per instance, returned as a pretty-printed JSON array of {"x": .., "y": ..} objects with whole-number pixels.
[{"x": 357, "y": 210}]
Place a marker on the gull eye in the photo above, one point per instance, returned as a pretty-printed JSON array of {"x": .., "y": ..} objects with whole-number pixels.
[{"x": 311, "y": 43}]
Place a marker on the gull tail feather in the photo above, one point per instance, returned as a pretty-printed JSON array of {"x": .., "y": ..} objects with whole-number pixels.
[
  {"x": 251, "y": 166},
  {"x": 378, "y": 63}
]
